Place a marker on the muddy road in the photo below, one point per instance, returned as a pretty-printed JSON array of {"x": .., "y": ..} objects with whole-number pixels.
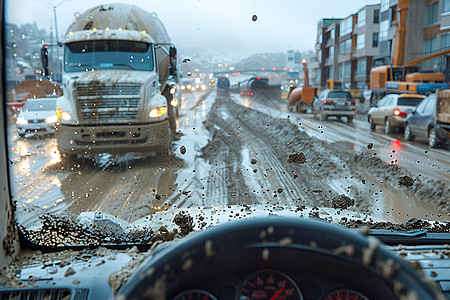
[{"x": 236, "y": 151}]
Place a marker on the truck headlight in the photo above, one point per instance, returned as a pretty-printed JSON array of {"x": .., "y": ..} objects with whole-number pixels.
[
  {"x": 174, "y": 102},
  {"x": 158, "y": 112},
  {"x": 21, "y": 121},
  {"x": 63, "y": 114},
  {"x": 51, "y": 119}
]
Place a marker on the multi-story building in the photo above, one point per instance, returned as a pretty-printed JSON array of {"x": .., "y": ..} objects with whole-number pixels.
[
  {"x": 366, "y": 33},
  {"x": 347, "y": 48},
  {"x": 327, "y": 31}
]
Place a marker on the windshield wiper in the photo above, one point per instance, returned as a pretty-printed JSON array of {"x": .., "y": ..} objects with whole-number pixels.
[
  {"x": 125, "y": 65},
  {"x": 413, "y": 237}
]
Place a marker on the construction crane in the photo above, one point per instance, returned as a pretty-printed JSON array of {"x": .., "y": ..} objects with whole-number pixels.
[{"x": 403, "y": 77}]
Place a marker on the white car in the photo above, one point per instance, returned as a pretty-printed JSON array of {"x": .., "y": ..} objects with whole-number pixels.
[{"x": 37, "y": 116}]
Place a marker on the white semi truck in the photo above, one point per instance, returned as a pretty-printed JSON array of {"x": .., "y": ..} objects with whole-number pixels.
[{"x": 119, "y": 69}]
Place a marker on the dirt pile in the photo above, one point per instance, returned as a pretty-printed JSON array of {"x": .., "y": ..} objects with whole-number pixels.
[{"x": 342, "y": 201}]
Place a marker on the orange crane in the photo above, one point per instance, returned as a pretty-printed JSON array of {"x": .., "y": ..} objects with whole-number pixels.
[
  {"x": 395, "y": 77},
  {"x": 302, "y": 97}
]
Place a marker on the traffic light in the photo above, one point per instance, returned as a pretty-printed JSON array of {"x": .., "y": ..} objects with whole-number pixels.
[{"x": 44, "y": 59}]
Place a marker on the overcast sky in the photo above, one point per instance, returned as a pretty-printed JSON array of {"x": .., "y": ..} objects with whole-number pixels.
[{"x": 221, "y": 24}]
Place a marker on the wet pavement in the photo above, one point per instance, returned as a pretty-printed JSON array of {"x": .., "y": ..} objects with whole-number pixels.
[{"x": 231, "y": 156}]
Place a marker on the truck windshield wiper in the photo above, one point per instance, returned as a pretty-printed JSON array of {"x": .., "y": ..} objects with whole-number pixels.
[{"x": 125, "y": 65}]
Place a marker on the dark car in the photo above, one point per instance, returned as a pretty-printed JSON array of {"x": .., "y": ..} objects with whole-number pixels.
[
  {"x": 422, "y": 123},
  {"x": 334, "y": 103}
]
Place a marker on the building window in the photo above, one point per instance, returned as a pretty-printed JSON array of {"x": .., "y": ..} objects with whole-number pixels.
[
  {"x": 376, "y": 16},
  {"x": 320, "y": 38},
  {"x": 360, "y": 41},
  {"x": 347, "y": 70},
  {"x": 445, "y": 6},
  {"x": 431, "y": 13},
  {"x": 361, "y": 67},
  {"x": 444, "y": 43},
  {"x": 375, "y": 40},
  {"x": 331, "y": 52},
  {"x": 384, "y": 27},
  {"x": 341, "y": 71},
  {"x": 393, "y": 14},
  {"x": 384, "y": 5},
  {"x": 346, "y": 26},
  {"x": 345, "y": 46},
  {"x": 332, "y": 34},
  {"x": 330, "y": 72},
  {"x": 429, "y": 46},
  {"x": 362, "y": 18}
]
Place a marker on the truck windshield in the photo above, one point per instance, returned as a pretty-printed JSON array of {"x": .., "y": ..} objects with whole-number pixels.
[{"x": 108, "y": 54}]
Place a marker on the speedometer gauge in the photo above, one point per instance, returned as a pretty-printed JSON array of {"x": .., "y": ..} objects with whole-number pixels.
[
  {"x": 345, "y": 294},
  {"x": 271, "y": 285},
  {"x": 195, "y": 295}
]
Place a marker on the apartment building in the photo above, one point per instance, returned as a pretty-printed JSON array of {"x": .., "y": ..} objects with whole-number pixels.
[
  {"x": 366, "y": 33},
  {"x": 327, "y": 31},
  {"x": 347, "y": 48}
]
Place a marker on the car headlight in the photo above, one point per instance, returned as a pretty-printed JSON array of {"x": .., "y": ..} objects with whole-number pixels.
[
  {"x": 158, "y": 112},
  {"x": 63, "y": 114},
  {"x": 174, "y": 102},
  {"x": 188, "y": 86},
  {"x": 21, "y": 121},
  {"x": 203, "y": 87},
  {"x": 51, "y": 119},
  {"x": 183, "y": 87}
]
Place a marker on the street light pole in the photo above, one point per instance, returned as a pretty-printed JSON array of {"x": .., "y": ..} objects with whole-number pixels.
[{"x": 56, "y": 28}]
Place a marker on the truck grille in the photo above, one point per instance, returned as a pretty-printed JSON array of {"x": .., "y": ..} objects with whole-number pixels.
[{"x": 99, "y": 102}]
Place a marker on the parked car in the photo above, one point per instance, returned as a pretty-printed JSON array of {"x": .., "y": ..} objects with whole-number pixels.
[
  {"x": 334, "y": 103},
  {"x": 37, "y": 116},
  {"x": 391, "y": 111},
  {"x": 422, "y": 123}
]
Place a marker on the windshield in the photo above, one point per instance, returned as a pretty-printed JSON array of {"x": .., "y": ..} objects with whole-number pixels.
[
  {"x": 108, "y": 54},
  {"x": 35, "y": 105},
  {"x": 216, "y": 118}
]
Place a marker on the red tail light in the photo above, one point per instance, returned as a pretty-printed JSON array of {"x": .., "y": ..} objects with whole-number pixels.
[
  {"x": 251, "y": 93},
  {"x": 327, "y": 101},
  {"x": 242, "y": 93},
  {"x": 247, "y": 93},
  {"x": 397, "y": 112},
  {"x": 353, "y": 101}
]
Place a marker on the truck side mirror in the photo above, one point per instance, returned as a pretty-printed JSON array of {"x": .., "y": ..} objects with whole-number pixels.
[{"x": 173, "y": 60}]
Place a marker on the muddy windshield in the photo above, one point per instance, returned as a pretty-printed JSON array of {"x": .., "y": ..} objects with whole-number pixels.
[
  {"x": 175, "y": 118},
  {"x": 36, "y": 105},
  {"x": 108, "y": 54}
]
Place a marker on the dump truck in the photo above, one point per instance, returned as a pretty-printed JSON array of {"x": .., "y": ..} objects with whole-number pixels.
[
  {"x": 300, "y": 98},
  {"x": 119, "y": 69}
]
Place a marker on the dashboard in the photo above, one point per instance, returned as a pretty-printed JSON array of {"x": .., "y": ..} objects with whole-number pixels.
[{"x": 258, "y": 258}]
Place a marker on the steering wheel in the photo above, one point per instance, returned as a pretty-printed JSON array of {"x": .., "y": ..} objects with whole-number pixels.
[{"x": 240, "y": 245}]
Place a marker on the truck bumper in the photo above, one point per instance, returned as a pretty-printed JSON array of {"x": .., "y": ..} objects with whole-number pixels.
[
  {"x": 443, "y": 131},
  {"x": 345, "y": 113},
  {"x": 114, "y": 139}
]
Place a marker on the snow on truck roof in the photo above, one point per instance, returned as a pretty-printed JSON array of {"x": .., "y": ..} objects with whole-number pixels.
[{"x": 118, "y": 20}]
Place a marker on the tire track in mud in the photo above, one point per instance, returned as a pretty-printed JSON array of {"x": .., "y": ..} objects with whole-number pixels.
[
  {"x": 363, "y": 175},
  {"x": 302, "y": 183},
  {"x": 224, "y": 155},
  {"x": 279, "y": 183}
]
